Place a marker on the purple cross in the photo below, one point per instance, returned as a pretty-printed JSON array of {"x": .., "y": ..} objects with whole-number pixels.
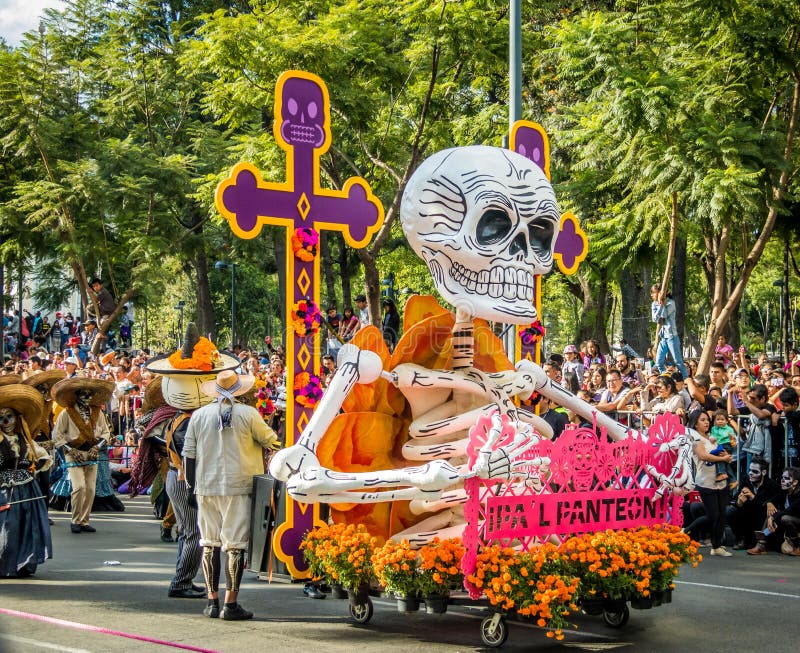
[{"x": 302, "y": 129}]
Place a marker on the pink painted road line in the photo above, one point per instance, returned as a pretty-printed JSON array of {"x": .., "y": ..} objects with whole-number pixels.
[{"x": 105, "y": 631}]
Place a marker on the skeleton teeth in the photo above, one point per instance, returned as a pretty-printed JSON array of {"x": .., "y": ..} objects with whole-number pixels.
[
  {"x": 496, "y": 275},
  {"x": 495, "y": 289},
  {"x": 471, "y": 284},
  {"x": 482, "y": 288},
  {"x": 483, "y": 277}
]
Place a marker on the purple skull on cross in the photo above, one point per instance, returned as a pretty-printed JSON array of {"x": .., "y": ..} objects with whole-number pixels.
[{"x": 303, "y": 113}]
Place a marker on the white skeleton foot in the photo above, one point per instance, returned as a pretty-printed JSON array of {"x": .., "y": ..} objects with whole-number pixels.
[{"x": 502, "y": 460}]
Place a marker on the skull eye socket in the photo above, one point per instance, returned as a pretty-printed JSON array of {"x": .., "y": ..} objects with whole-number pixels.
[
  {"x": 292, "y": 106},
  {"x": 493, "y": 226},
  {"x": 312, "y": 110},
  {"x": 541, "y": 232}
]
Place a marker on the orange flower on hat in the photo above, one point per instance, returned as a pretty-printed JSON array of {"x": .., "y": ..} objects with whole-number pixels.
[{"x": 204, "y": 357}]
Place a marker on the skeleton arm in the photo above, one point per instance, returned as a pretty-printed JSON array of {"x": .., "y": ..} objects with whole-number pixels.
[
  {"x": 563, "y": 397},
  {"x": 355, "y": 366}
]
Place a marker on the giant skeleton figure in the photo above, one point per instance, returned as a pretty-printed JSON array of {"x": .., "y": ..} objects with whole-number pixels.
[{"x": 485, "y": 220}]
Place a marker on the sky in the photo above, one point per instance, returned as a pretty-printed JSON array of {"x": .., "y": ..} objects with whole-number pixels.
[{"x": 19, "y": 16}]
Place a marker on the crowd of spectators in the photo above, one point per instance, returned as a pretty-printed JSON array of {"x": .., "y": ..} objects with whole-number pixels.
[{"x": 744, "y": 414}]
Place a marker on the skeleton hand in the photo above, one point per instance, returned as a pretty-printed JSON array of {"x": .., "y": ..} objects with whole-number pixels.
[
  {"x": 78, "y": 456},
  {"x": 93, "y": 453},
  {"x": 502, "y": 461}
]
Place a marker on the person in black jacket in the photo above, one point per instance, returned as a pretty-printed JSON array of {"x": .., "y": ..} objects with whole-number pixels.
[
  {"x": 390, "y": 324},
  {"x": 758, "y": 498},
  {"x": 782, "y": 525}
]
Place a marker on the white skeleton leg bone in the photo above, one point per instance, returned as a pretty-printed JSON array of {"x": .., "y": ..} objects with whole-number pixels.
[
  {"x": 410, "y": 376},
  {"x": 355, "y": 366},
  {"x": 322, "y": 484},
  {"x": 447, "y": 500},
  {"x": 446, "y": 524}
]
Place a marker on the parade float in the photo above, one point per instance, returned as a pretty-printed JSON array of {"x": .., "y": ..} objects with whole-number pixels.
[{"x": 444, "y": 485}]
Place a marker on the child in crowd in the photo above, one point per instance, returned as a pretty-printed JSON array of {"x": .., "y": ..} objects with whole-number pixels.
[{"x": 724, "y": 436}]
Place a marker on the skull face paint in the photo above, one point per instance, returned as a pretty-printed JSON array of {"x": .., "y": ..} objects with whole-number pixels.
[
  {"x": 302, "y": 112},
  {"x": 485, "y": 221},
  {"x": 82, "y": 397},
  {"x": 8, "y": 421}
]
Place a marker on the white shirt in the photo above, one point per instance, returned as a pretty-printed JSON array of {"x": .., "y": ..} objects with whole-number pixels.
[{"x": 226, "y": 461}]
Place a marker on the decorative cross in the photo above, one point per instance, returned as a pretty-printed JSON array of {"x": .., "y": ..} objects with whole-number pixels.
[
  {"x": 530, "y": 140},
  {"x": 302, "y": 129}
]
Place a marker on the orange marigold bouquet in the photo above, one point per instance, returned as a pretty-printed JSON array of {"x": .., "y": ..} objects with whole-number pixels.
[
  {"x": 440, "y": 566},
  {"x": 537, "y": 584},
  {"x": 605, "y": 562},
  {"x": 395, "y": 566},
  {"x": 341, "y": 553}
]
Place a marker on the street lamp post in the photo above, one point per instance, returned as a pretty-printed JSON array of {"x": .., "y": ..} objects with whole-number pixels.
[
  {"x": 221, "y": 265},
  {"x": 179, "y": 307}
]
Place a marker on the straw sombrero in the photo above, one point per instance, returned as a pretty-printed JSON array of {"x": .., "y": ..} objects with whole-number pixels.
[
  {"x": 25, "y": 401},
  {"x": 8, "y": 379},
  {"x": 64, "y": 391},
  {"x": 228, "y": 379},
  {"x": 45, "y": 380},
  {"x": 197, "y": 356},
  {"x": 153, "y": 398}
]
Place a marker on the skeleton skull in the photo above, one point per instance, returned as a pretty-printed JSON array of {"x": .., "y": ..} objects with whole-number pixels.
[
  {"x": 82, "y": 397},
  {"x": 485, "y": 221},
  {"x": 302, "y": 113},
  {"x": 183, "y": 390},
  {"x": 8, "y": 421}
]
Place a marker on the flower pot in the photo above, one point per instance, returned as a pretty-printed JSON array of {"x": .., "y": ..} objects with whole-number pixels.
[
  {"x": 360, "y": 595},
  {"x": 592, "y": 606},
  {"x": 667, "y": 596},
  {"x": 436, "y": 604},
  {"x": 338, "y": 592},
  {"x": 407, "y": 603},
  {"x": 641, "y": 602}
]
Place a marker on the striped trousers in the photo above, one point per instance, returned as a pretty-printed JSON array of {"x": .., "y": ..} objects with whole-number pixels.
[{"x": 190, "y": 553}]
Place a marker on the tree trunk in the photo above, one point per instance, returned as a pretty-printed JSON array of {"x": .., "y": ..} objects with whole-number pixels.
[
  {"x": 280, "y": 262},
  {"x": 344, "y": 272},
  {"x": 372, "y": 287},
  {"x": 592, "y": 320},
  {"x": 679, "y": 285},
  {"x": 785, "y": 297},
  {"x": 722, "y": 312},
  {"x": 635, "y": 290},
  {"x": 328, "y": 273},
  {"x": 206, "y": 320}
]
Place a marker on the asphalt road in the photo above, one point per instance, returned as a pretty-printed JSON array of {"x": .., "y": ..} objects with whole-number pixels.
[{"x": 77, "y": 604}]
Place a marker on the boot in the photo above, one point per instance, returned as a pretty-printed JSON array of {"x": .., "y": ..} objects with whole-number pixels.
[
  {"x": 791, "y": 546},
  {"x": 166, "y": 535},
  {"x": 761, "y": 545}
]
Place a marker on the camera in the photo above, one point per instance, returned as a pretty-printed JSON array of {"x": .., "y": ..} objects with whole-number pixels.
[{"x": 776, "y": 381}]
